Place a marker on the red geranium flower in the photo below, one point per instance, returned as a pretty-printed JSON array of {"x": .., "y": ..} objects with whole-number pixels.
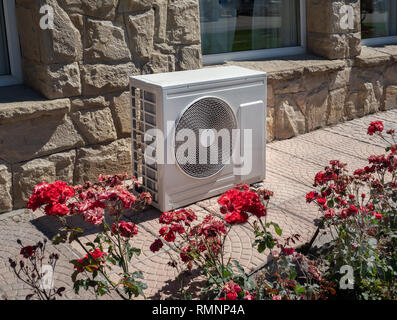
[
  {"x": 375, "y": 126},
  {"x": 156, "y": 245},
  {"x": 125, "y": 229},
  {"x": 27, "y": 252}
]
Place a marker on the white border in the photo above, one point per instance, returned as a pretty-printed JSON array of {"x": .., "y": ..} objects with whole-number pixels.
[
  {"x": 211, "y": 59},
  {"x": 13, "y": 46}
]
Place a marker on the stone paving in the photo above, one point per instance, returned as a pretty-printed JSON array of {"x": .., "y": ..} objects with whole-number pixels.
[{"x": 291, "y": 165}]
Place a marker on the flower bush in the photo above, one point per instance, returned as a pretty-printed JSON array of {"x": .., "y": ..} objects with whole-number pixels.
[
  {"x": 360, "y": 211},
  {"x": 111, "y": 196},
  {"x": 202, "y": 243},
  {"x": 31, "y": 272}
]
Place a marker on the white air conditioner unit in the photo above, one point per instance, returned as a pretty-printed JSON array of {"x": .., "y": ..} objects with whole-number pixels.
[{"x": 211, "y": 103}]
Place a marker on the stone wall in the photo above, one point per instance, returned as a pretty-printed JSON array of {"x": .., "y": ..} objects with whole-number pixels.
[
  {"x": 306, "y": 93},
  {"x": 82, "y": 127},
  {"x": 83, "y": 65},
  {"x": 95, "y": 45}
]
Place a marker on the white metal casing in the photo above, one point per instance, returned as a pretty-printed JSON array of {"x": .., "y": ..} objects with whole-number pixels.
[{"x": 242, "y": 89}]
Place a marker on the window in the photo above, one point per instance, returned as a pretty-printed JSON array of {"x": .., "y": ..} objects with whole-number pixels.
[
  {"x": 249, "y": 29},
  {"x": 10, "y": 62},
  {"x": 379, "y": 21}
]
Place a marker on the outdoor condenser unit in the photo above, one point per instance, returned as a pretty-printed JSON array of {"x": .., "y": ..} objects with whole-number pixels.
[{"x": 181, "y": 124}]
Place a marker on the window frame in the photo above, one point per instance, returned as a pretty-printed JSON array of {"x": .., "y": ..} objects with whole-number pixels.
[
  {"x": 380, "y": 41},
  {"x": 14, "y": 53},
  {"x": 211, "y": 59}
]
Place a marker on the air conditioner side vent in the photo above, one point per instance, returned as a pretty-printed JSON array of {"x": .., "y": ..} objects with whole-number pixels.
[{"x": 143, "y": 118}]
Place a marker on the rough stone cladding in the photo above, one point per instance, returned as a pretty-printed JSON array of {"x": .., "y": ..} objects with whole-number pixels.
[{"x": 82, "y": 126}]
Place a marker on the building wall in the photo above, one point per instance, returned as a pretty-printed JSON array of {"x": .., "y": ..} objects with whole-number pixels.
[{"x": 82, "y": 127}]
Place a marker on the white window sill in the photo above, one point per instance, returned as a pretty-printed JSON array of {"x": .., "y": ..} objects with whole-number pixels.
[
  {"x": 379, "y": 41},
  {"x": 251, "y": 55}
]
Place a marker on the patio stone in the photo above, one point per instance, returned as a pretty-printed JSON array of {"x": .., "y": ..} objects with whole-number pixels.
[{"x": 291, "y": 165}]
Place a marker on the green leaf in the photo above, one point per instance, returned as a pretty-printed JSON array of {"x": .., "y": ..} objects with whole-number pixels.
[
  {"x": 137, "y": 274},
  {"x": 277, "y": 229},
  {"x": 239, "y": 268},
  {"x": 59, "y": 238},
  {"x": 262, "y": 246},
  {"x": 300, "y": 289}
]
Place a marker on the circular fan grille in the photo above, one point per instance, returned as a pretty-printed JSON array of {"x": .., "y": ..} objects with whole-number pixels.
[{"x": 207, "y": 113}]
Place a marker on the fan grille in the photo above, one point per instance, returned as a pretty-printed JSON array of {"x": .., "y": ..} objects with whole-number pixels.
[{"x": 208, "y": 113}]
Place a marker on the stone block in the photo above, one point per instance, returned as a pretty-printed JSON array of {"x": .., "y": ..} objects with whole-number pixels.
[
  {"x": 270, "y": 124},
  {"x": 62, "y": 44},
  {"x": 13, "y": 111},
  {"x": 64, "y": 165},
  {"x": 391, "y": 74},
  {"x": 336, "y": 106},
  {"x": 98, "y": 79},
  {"x": 339, "y": 79},
  {"x": 289, "y": 120},
  {"x": 105, "y": 42},
  {"x": 32, "y": 138},
  {"x": 316, "y": 108},
  {"x": 81, "y": 103},
  {"x": 158, "y": 63},
  {"x": 140, "y": 30},
  {"x": 367, "y": 101},
  {"x": 104, "y": 9},
  {"x": 391, "y": 98},
  {"x": 183, "y": 22},
  {"x": 96, "y": 125},
  {"x": 54, "y": 80},
  {"x": 370, "y": 57},
  {"x": 121, "y": 110},
  {"x": 29, "y": 39},
  {"x": 5, "y": 187},
  {"x": 135, "y": 5},
  {"x": 112, "y": 158},
  {"x": 27, "y": 175},
  {"x": 189, "y": 58}
]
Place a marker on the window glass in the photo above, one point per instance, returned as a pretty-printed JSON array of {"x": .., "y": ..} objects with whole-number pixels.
[
  {"x": 378, "y": 18},
  {"x": 241, "y": 25},
  {"x": 4, "y": 62}
]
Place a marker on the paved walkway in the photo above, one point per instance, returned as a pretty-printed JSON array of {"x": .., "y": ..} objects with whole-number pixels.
[{"x": 291, "y": 166}]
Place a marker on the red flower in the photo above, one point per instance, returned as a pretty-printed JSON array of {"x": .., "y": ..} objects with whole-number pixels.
[
  {"x": 232, "y": 290},
  {"x": 232, "y": 296},
  {"x": 27, "y": 252},
  {"x": 125, "y": 229},
  {"x": 288, "y": 251},
  {"x": 330, "y": 213},
  {"x": 377, "y": 215},
  {"x": 93, "y": 260},
  {"x": 236, "y": 217},
  {"x": 184, "y": 254},
  {"x": 321, "y": 201},
  {"x": 170, "y": 236},
  {"x": 375, "y": 126},
  {"x": 56, "y": 209},
  {"x": 352, "y": 210},
  {"x": 312, "y": 195},
  {"x": 163, "y": 230},
  {"x": 49, "y": 194},
  {"x": 156, "y": 245},
  {"x": 238, "y": 202}
]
